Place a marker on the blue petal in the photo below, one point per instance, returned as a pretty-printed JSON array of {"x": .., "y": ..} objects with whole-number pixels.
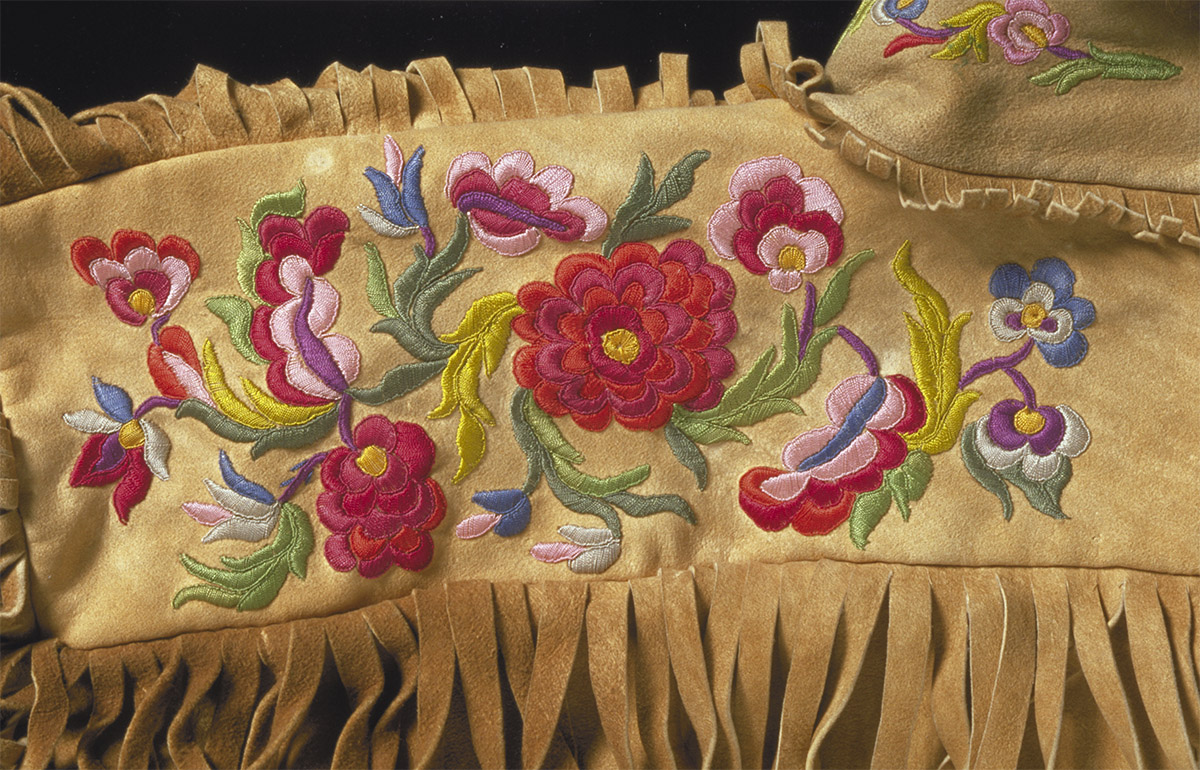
[
  {"x": 856, "y": 421},
  {"x": 388, "y": 196},
  {"x": 113, "y": 400},
  {"x": 1008, "y": 281},
  {"x": 1066, "y": 353},
  {"x": 241, "y": 484},
  {"x": 414, "y": 204},
  {"x": 514, "y": 522},
  {"x": 1082, "y": 311},
  {"x": 911, "y": 11},
  {"x": 1053, "y": 272},
  {"x": 500, "y": 501}
]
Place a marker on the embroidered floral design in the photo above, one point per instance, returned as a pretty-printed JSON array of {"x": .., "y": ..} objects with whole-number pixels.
[
  {"x": 829, "y": 466},
  {"x": 1041, "y": 305},
  {"x": 243, "y": 510},
  {"x": 627, "y": 338},
  {"x": 124, "y": 447},
  {"x": 175, "y": 367},
  {"x": 508, "y": 514},
  {"x": 1037, "y": 438},
  {"x": 1023, "y": 29},
  {"x": 379, "y": 502},
  {"x": 1026, "y": 28},
  {"x": 588, "y": 550},
  {"x": 511, "y": 207},
  {"x": 317, "y": 241},
  {"x": 140, "y": 279},
  {"x": 399, "y": 194},
  {"x": 778, "y": 222},
  {"x": 885, "y": 12}
]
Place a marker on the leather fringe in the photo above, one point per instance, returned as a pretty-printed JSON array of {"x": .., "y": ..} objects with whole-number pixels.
[
  {"x": 16, "y": 610},
  {"x": 1152, "y": 216},
  {"x": 41, "y": 149},
  {"x": 803, "y": 664}
]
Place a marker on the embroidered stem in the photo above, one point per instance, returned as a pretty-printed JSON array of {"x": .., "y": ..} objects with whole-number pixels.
[
  {"x": 154, "y": 403},
  {"x": 312, "y": 350},
  {"x": 860, "y": 347},
  {"x": 808, "y": 320},
  {"x": 1023, "y": 386},
  {"x": 301, "y": 478},
  {"x": 430, "y": 243},
  {"x": 344, "y": 421},
  {"x": 1063, "y": 52},
  {"x": 912, "y": 26},
  {"x": 989, "y": 365},
  {"x": 157, "y": 326},
  {"x": 494, "y": 203}
]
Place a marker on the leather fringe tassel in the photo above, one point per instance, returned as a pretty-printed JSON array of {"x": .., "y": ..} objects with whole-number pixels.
[{"x": 820, "y": 664}]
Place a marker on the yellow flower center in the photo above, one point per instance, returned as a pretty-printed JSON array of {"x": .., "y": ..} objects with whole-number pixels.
[
  {"x": 792, "y": 258},
  {"x": 1033, "y": 315},
  {"x": 1035, "y": 34},
  {"x": 1028, "y": 421},
  {"x": 141, "y": 301},
  {"x": 621, "y": 345},
  {"x": 903, "y": 3},
  {"x": 372, "y": 461},
  {"x": 131, "y": 435}
]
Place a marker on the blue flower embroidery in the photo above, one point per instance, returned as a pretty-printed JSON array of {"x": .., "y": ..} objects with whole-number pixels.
[
  {"x": 399, "y": 194},
  {"x": 1041, "y": 305}
]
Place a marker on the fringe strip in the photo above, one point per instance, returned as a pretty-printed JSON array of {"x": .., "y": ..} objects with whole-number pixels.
[
  {"x": 1152, "y": 216},
  {"x": 16, "y": 611},
  {"x": 41, "y": 149},
  {"x": 803, "y": 664}
]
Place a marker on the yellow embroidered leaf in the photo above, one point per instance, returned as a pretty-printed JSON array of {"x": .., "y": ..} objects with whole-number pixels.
[
  {"x": 930, "y": 304},
  {"x": 923, "y": 352},
  {"x": 472, "y": 442},
  {"x": 974, "y": 15},
  {"x": 480, "y": 316},
  {"x": 950, "y": 365},
  {"x": 449, "y": 383},
  {"x": 276, "y": 410},
  {"x": 222, "y": 396},
  {"x": 950, "y": 425}
]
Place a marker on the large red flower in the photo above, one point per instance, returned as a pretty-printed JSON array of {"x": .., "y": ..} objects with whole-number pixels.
[
  {"x": 379, "y": 502},
  {"x": 628, "y": 337},
  {"x": 827, "y": 468},
  {"x": 318, "y": 240}
]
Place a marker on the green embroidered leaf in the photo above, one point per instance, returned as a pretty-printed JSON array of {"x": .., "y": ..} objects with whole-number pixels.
[
  {"x": 547, "y": 433},
  {"x": 635, "y": 203},
  {"x": 987, "y": 478},
  {"x": 284, "y": 204},
  {"x": 908, "y": 482},
  {"x": 435, "y": 294},
  {"x": 868, "y": 509},
  {"x": 579, "y": 503},
  {"x": 418, "y": 345},
  {"x": 398, "y": 382},
  {"x": 377, "y": 283},
  {"x": 635, "y": 219},
  {"x": 837, "y": 291},
  {"x": 252, "y": 582},
  {"x": 249, "y": 259},
  {"x": 678, "y": 182},
  {"x": 1115, "y": 66},
  {"x": 265, "y": 439},
  {"x": 593, "y": 486},
  {"x": 1042, "y": 495},
  {"x": 762, "y": 392},
  {"x": 640, "y": 506},
  {"x": 687, "y": 453},
  {"x": 236, "y": 313}
]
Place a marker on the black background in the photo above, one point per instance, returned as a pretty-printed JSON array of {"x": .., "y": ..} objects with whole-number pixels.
[{"x": 84, "y": 54}]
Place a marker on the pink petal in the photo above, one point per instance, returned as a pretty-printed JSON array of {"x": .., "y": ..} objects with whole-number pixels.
[
  {"x": 508, "y": 245},
  {"x": 892, "y": 410},
  {"x": 282, "y": 325},
  {"x": 142, "y": 258},
  {"x": 786, "y": 486},
  {"x": 105, "y": 270},
  {"x": 594, "y": 218},
  {"x": 517, "y": 164},
  {"x": 785, "y": 281},
  {"x": 293, "y": 272},
  {"x": 722, "y": 227},
  {"x": 189, "y": 378},
  {"x": 465, "y": 164},
  {"x": 206, "y": 513},
  {"x": 324, "y": 307},
  {"x": 181, "y": 278},
  {"x": 1062, "y": 28},
  {"x": 818, "y": 196},
  {"x": 345, "y": 355},
  {"x": 556, "y": 181},
  {"x": 806, "y": 445},
  {"x": 305, "y": 380},
  {"x": 395, "y": 159},
  {"x": 1035, "y": 6},
  {"x": 754, "y": 174},
  {"x": 858, "y": 455},
  {"x": 476, "y": 526},
  {"x": 552, "y": 553},
  {"x": 842, "y": 399}
]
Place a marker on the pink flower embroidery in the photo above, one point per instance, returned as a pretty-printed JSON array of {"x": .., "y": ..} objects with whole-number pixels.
[
  {"x": 140, "y": 279},
  {"x": 510, "y": 206},
  {"x": 1026, "y": 29},
  {"x": 778, "y": 222},
  {"x": 309, "y": 364},
  {"x": 318, "y": 241}
]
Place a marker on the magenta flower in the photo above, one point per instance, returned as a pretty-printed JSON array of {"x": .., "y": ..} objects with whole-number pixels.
[
  {"x": 778, "y": 222},
  {"x": 318, "y": 241},
  {"x": 309, "y": 364},
  {"x": 1026, "y": 29},
  {"x": 140, "y": 279},
  {"x": 510, "y": 206}
]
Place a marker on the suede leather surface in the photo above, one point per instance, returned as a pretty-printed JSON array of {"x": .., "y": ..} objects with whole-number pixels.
[{"x": 1131, "y": 499}]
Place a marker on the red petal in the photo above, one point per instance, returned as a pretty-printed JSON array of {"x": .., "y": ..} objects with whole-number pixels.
[
  {"x": 908, "y": 41},
  {"x": 765, "y": 511},
  {"x": 125, "y": 241},
  {"x": 813, "y": 519},
  {"x": 85, "y": 251},
  {"x": 133, "y": 486},
  {"x": 174, "y": 246}
]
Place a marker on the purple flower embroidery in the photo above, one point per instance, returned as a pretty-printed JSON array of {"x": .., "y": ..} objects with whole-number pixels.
[
  {"x": 1036, "y": 437},
  {"x": 1026, "y": 29},
  {"x": 1042, "y": 306}
]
